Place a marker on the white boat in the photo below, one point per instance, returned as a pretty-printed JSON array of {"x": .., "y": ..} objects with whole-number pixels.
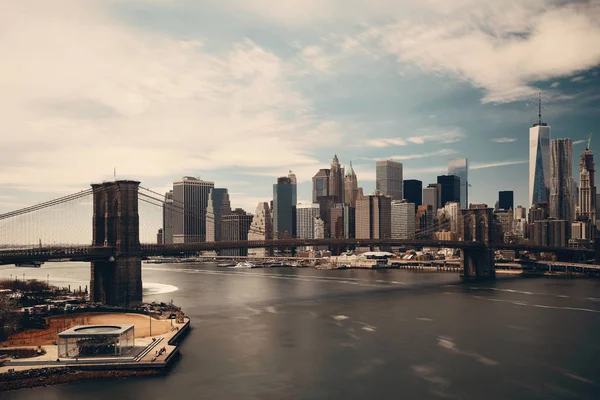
[{"x": 244, "y": 264}]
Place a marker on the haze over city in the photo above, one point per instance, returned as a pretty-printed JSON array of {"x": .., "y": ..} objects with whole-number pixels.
[{"x": 241, "y": 92}]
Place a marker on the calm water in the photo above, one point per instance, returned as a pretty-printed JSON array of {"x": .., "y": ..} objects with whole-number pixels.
[{"x": 357, "y": 334}]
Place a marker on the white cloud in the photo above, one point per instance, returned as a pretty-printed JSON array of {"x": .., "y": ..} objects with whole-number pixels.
[
  {"x": 415, "y": 156},
  {"x": 498, "y": 46},
  {"x": 503, "y": 140},
  {"x": 86, "y": 94},
  {"x": 385, "y": 142},
  {"x": 577, "y": 78},
  {"x": 496, "y": 164},
  {"x": 579, "y": 141},
  {"x": 555, "y": 84},
  {"x": 441, "y": 136}
]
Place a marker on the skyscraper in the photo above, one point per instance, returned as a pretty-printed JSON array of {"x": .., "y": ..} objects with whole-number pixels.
[
  {"x": 284, "y": 208},
  {"x": 403, "y": 220},
  {"x": 350, "y": 187},
  {"x": 261, "y": 228},
  {"x": 373, "y": 217},
  {"x": 413, "y": 191},
  {"x": 460, "y": 167},
  {"x": 190, "y": 195},
  {"x": 424, "y": 222},
  {"x": 561, "y": 181},
  {"x": 235, "y": 226},
  {"x": 587, "y": 187},
  {"x": 305, "y": 220},
  {"x": 432, "y": 195},
  {"x": 450, "y": 186},
  {"x": 506, "y": 200},
  {"x": 539, "y": 160},
  {"x": 389, "y": 178},
  {"x": 320, "y": 184},
  {"x": 336, "y": 180},
  {"x": 218, "y": 205}
]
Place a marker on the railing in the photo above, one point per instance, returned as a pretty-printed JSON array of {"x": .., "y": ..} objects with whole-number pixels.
[{"x": 75, "y": 253}]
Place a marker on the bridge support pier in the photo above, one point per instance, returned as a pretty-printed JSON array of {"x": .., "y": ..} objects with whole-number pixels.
[
  {"x": 477, "y": 263},
  {"x": 597, "y": 250},
  {"x": 117, "y": 281}
]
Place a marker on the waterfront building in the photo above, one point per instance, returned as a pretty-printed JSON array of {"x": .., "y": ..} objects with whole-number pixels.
[
  {"x": 413, "y": 192},
  {"x": 551, "y": 232},
  {"x": 450, "y": 189},
  {"x": 460, "y": 167},
  {"x": 336, "y": 180},
  {"x": 284, "y": 208},
  {"x": 389, "y": 179},
  {"x": 373, "y": 217},
  {"x": 218, "y": 205},
  {"x": 403, "y": 220},
  {"x": 424, "y": 221},
  {"x": 452, "y": 212},
  {"x": 320, "y": 184},
  {"x": 520, "y": 213},
  {"x": 506, "y": 200},
  {"x": 305, "y": 220},
  {"x": 350, "y": 187},
  {"x": 169, "y": 213},
  {"x": 586, "y": 210},
  {"x": 561, "y": 180},
  {"x": 582, "y": 230},
  {"x": 539, "y": 160},
  {"x": 432, "y": 195},
  {"x": 234, "y": 227},
  {"x": 190, "y": 199},
  {"x": 261, "y": 228}
]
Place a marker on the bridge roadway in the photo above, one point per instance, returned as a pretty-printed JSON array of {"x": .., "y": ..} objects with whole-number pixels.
[{"x": 95, "y": 253}]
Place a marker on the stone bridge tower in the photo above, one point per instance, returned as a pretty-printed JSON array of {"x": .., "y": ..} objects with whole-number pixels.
[
  {"x": 476, "y": 225},
  {"x": 118, "y": 281}
]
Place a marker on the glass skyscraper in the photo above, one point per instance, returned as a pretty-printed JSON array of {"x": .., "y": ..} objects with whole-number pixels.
[
  {"x": 460, "y": 167},
  {"x": 561, "y": 180},
  {"x": 389, "y": 178},
  {"x": 539, "y": 162}
]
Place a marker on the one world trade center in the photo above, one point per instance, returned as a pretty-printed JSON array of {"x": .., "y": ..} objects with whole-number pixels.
[{"x": 539, "y": 160}]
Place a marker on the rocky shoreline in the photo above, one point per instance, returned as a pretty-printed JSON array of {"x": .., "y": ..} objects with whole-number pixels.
[{"x": 56, "y": 376}]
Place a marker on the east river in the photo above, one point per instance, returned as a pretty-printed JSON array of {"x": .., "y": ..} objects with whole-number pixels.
[{"x": 292, "y": 333}]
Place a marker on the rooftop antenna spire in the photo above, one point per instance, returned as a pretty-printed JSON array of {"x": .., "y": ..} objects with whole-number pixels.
[{"x": 540, "y": 107}]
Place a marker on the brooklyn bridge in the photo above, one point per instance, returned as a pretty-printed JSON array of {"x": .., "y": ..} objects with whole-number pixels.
[{"x": 116, "y": 251}]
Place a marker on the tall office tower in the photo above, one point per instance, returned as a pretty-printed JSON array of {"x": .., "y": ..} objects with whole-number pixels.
[
  {"x": 341, "y": 221},
  {"x": 460, "y": 167},
  {"x": 506, "y": 200},
  {"x": 190, "y": 196},
  {"x": 218, "y": 205},
  {"x": 373, "y": 217},
  {"x": 319, "y": 228},
  {"x": 538, "y": 211},
  {"x": 587, "y": 187},
  {"x": 320, "y": 184},
  {"x": 169, "y": 213},
  {"x": 284, "y": 208},
  {"x": 389, "y": 178},
  {"x": 505, "y": 220},
  {"x": 424, "y": 222},
  {"x": 561, "y": 181},
  {"x": 403, "y": 220},
  {"x": 350, "y": 187},
  {"x": 452, "y": 211},
  {"x": 336, "y": 180},
  {"x": 235, "y": 226},
  {"x": 305, "y": 220},
  {"x": 432, "y": 195},
  {"x": 450, "y": 185},
  {"x": 549, "y": 232},
  {"x": 261, "y": 228},
  {"x": 413, "y": 192},
  {"x": 520, "y": 213},
  {"x": 539, "y": 160}
]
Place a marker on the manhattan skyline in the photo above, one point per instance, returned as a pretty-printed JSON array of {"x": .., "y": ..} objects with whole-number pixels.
[{"x": 158, "y": 92}]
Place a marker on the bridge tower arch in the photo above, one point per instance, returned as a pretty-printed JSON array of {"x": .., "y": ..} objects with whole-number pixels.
[
  {"x": 477, "y": 226},
  {"x": 118, "y": 281}
]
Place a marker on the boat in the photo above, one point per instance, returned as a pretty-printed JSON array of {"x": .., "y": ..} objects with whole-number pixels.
[
  {"x": 29, "y": 264},
  {"x": 244, "y": 264}
]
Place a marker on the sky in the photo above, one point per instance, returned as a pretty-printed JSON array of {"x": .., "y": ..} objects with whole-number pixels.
[{"x": 240, "y": 92}]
